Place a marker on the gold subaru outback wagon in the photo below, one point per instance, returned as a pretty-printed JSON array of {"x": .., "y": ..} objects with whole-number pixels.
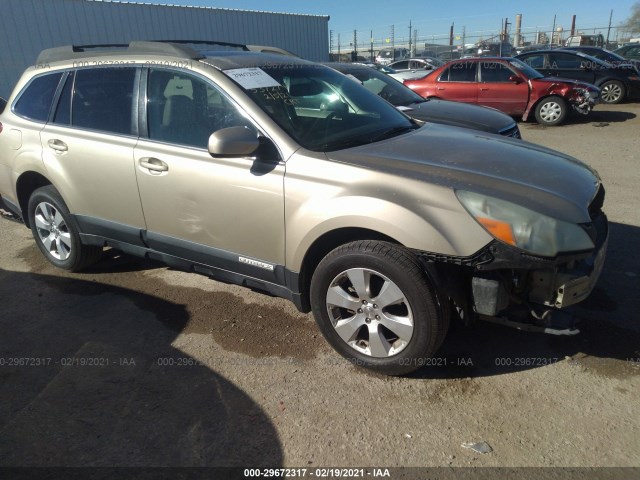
[{"x": 288, "y": 177}]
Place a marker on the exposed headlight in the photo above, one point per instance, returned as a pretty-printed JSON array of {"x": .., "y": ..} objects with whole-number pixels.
[{"x": 524, "y": 228}]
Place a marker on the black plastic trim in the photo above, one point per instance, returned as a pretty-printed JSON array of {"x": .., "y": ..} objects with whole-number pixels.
[
  {"x": 109, "y": 231},
  {"x": 219, "y": 258}
]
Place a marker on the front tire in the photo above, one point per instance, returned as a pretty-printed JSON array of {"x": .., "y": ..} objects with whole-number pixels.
[
  {"x": 551, "y": 111},
  {"x": 612, "y": 92},
  {"x": 55, "y": 232},
  {"x": 374, "y": 304}
]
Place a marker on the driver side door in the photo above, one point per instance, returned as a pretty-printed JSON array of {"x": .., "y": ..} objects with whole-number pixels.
[{"x": 224, "y": 212}]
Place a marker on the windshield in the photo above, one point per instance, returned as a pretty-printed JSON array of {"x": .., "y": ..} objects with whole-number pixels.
[
  {"x": 320, "y": 108},
  {"x": 525, "y": 69},
  {"x": 384, "y": 86}
]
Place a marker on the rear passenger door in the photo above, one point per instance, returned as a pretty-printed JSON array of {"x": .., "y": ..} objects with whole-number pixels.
[
  {"x": 458, "y": 82},
  {"x": 87, "y": 148},
  {"x": 226, "y": 212}
]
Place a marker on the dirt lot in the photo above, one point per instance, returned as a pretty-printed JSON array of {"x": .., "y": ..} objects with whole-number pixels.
[{"x": 133, "y": 364}]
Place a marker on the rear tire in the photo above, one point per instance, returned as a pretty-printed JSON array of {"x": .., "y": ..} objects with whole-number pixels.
[
  {"x": 375, "y": 305},
  {"x": 551, "y": 111},
  {"x": 55, "y": 232}
]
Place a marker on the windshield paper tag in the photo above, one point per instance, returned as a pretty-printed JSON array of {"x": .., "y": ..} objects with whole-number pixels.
[{"x": 250, "y": 78}]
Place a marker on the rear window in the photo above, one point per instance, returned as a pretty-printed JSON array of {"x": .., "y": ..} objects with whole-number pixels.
[{"x": 35, "y": 101}]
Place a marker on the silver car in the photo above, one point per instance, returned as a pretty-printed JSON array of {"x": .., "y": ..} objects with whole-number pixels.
[{"x": 286, "y": 176}]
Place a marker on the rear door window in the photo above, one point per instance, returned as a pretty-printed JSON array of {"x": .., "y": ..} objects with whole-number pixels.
[
  {"x": 564, "y": 61},
  {"x": 460, "y": 72},
  {"x": 103, "y": 100},
  {"x": 35, "y": 101}
]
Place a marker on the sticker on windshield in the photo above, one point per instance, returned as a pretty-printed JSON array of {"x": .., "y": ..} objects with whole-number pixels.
[{"x": 250, "y": 78}]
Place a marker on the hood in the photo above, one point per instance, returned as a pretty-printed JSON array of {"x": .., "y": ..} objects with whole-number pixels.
[
  {"x": 460, "y": 115},
  {"x": 529, "y": 175},
  {"x": 575, "y": 83}
]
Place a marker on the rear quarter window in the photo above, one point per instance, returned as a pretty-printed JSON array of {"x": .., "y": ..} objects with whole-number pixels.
[{"x": 35, "y": 101}]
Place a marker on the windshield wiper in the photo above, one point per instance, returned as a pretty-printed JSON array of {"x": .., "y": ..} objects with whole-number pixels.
[{"x": 393, "y": 132}]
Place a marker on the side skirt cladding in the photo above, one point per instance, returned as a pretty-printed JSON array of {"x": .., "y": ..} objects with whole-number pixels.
[{"x": 221, "y": 265}]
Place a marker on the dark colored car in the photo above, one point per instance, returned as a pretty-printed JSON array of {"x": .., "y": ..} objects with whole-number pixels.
[
  {"x": 631, "y": 52},
  {"x": 617, "y": 82},
  {"x": 427, "y": 110},
  {"x": 508, "y": 85},
  {"x": 605, "y": 55}
]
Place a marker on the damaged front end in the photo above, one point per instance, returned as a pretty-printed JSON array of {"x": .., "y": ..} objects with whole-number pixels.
[
  {"x": 582, "y": 100},
  {"x": 505, "y": 284}
]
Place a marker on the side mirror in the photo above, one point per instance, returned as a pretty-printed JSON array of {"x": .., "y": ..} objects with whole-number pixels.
[
  {"x": 3, "y": 103},
  {"x": 233, "y": 142},
  {"x": 515, "y": 79}
]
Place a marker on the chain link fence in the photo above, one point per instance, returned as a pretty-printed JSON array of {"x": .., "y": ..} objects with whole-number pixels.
[{"x": 460, "y": 43}]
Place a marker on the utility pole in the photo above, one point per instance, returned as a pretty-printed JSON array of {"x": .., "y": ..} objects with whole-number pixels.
[
  {"x": 371, "y": 52},
  {"x": 451, "y": 35},
  {"x": 415, "y": 40},
  {"x": 410, "y": 30},
  {"x": 552, "y": 30},
  {"x": 355, "y": 46},
  {"x": 338, "y": 47},
  {"x": 393, "y": 44},
  {"x": 609, "y": 29}
]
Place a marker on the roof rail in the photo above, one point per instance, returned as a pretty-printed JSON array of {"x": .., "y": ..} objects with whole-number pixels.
[
  {"x": 202, "y": 45},
  {"x": 70, "y": 52},
  {"x": 206, "y": 43}
]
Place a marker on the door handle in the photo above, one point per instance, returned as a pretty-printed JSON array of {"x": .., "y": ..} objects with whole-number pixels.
[
  {"x": 153, "y": 164},
  {"x": 440, "y": 88},
  {"x": 58, "y": 145},
  {"x": 483, "y": 89}
]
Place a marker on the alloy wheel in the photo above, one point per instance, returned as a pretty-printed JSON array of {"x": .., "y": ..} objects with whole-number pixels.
[
  {"x": 53, "y": 231},
  {"x": 611, "y": 93},
  {"x": 369, "y": 312}
]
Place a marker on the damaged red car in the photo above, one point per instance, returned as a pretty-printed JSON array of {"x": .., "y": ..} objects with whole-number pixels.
[{"x": 508, "y": 85}]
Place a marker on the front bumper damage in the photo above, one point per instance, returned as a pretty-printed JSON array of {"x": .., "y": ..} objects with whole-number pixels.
[
  {"x": 506, "y": 285},
  {"x": 583, "y": 100}
]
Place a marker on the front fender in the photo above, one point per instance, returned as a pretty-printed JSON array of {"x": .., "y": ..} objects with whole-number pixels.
[{"x": 434, "y": 234}]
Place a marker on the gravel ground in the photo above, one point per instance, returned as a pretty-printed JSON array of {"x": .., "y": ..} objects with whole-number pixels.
[{"x": 134, "y": 364}]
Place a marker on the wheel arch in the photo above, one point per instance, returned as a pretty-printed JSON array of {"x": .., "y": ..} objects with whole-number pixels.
[
  {"x": 324, "y": 244},
  {"x": 26, "y": 184}
]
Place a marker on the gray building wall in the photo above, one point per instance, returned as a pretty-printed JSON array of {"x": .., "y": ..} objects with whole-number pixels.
[{"x": 29, "y": 26}]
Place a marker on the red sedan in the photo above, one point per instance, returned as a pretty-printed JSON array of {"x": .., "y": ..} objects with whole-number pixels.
[{"x": 508, "y": 85}]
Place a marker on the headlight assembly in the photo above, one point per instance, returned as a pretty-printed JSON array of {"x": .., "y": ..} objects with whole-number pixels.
[{"x": 524, "y": 228}]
